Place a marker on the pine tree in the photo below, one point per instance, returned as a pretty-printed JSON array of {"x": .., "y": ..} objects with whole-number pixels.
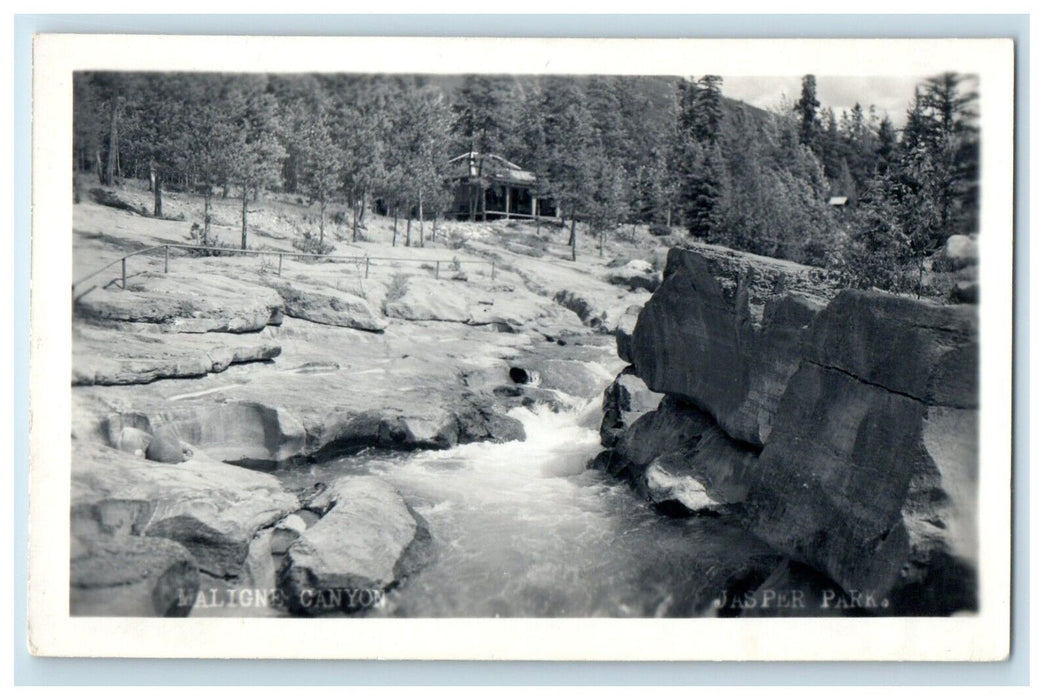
[
  {"x": 566, "y": 162},
  {"x": 702, "y": 166},
  {"x": 321, "y": 166},
  {"x": 807, "y": 107},
  {"x": 256, "y": 163}
]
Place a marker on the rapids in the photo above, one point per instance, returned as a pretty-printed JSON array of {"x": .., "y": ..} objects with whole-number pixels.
[{"x": 525, "y": 529}]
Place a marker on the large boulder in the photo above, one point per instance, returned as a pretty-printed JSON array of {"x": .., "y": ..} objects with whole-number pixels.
[
  {"x": 367, "y": 541},
  {"x": 185, "y": 303},
  {"x": 680, "y": 459},
  {"x": 870, "y": 472},
  {"x": 328, "y": 305},
  {"x": 424, "y": 299},
  {"x": 624, "y": 402},
  {"x": 121, "y": 575},
  {"x": 698, "y": 338}
]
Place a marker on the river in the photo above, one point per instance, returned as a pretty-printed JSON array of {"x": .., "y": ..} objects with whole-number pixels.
[{"x": 525, "y": 529}]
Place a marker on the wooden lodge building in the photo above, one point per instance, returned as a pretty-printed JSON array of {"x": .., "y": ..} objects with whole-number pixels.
[{"x": 510, "y": 190}]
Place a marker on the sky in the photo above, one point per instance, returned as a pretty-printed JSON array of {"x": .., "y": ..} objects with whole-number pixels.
[{"x": 890, "y": 94}]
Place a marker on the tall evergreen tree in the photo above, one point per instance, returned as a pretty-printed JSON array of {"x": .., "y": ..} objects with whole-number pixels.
[
  {"x": 807, "y": 107},
  {"x": 702, "y": 165},
  {"x": 566, "y": 162}
]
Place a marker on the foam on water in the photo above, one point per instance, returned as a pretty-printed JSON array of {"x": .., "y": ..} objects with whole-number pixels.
[{"x": 524, "y": 529}]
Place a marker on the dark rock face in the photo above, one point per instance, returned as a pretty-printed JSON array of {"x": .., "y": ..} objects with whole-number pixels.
[
  {"x": 870, "y": 473},
  {"x": 131, "y": 576},
  {"x": 696, "y": 339},
  {"x": 623, "y": 331},
  {"x": 678, "y": 454},
  {"x": 845, "y": 435},
  {"x": 623, "y": 403}
]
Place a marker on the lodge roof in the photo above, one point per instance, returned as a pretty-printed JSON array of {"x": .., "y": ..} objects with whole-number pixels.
[{"x": 492, "y": 166}]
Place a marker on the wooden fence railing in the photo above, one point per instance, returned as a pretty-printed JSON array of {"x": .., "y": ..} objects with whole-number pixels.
[{"x": 362, "y": 260}]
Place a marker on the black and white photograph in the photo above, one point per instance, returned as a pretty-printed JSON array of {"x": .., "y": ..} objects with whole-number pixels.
[{"x": 498, "y": 343}]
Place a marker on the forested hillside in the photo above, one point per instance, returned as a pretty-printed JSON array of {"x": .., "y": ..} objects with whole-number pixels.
[{"x": 611, "y": 151}]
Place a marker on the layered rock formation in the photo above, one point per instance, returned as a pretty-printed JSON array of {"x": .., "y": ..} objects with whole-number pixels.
[
  {"x": 843, "y": 433},
  {"x": 186, "y": 303},
  {"x": 697, "y": 339},
  {"x": 870, "y": 473}
]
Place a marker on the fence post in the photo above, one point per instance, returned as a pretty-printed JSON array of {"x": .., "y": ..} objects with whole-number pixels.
[
  {"x": 279, "y": 259},
  {"x": 492, "y": 270},
  {"x": 437, "y": 264},
  {"x": 165, "y": 259},
  {"x": 366, "y": 267},
  {"x": 123, "y": 273}
]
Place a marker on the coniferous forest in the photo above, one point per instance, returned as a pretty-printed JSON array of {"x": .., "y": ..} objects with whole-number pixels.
[{"x": 611, "y": 151}]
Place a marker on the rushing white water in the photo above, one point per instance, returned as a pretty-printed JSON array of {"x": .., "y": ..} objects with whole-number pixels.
[{"x": 523, "y": 529}]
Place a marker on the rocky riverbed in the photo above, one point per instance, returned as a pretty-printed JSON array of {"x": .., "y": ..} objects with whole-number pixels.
[
  {"x": 202, "y": 375},
  {"x": 264, "y": 436}
]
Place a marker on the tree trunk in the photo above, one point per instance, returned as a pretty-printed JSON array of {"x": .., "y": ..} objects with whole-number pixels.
[
  {"x": 76, "y": 187},
  {"x": 321, "y": 239},
  {"x": 395, "y": 221},
  {"x": 354, "y": 223},
  {"x": 668, "y": 219},
  {"x": 207, "y": 212},
  {"x": 99, "y": 170},
  {"x": 434, "y": 228},
  {"x": 408, "y": 226},
  {"x": 633, "y": 227},
  {"x": 111, "y": 155},
  {"x": 573, "y": 237},
  {"x": 420, "y": 198},
  {"x": 244, "y": 217},
  {"x": 158, "y": 210}
]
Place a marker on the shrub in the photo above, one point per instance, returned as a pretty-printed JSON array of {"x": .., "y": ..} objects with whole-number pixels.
[
  {"x": 309, "y": 243},
  {"x": 660, "y": 229},
  {"x": 399, "y": 286},
  {"x": 201, "y": 237},
  {"x": 457, "y": 240}
]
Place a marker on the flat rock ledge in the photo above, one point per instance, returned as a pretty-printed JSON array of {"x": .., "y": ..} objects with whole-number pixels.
[
  {"x": 144, "y": 356},
  {"x": 210, "y": 508},
  {"x": 185, "y": 303}
]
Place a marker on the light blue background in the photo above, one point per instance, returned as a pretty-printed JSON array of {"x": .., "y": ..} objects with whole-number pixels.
[{"x": 32, "y": 670}]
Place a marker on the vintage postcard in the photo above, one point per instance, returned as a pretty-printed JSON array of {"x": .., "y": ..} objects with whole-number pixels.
[{"x": 395, "y": 348}]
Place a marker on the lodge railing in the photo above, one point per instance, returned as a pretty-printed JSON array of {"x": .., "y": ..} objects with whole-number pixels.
[{"x": 364, "y": 262}]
